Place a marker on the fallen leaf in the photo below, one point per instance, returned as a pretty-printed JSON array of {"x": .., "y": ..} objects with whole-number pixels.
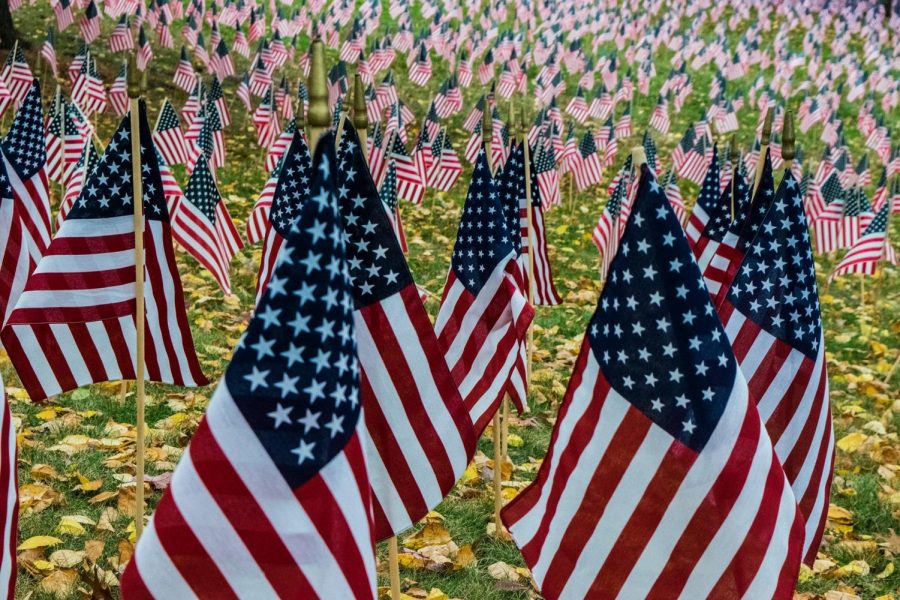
[
  {"x": 59, "y": 582},
  {"x": 39, "y": 541}
]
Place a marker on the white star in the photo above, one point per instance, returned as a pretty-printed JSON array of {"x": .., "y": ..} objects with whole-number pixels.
[
  {"x": 335, "y": 425},
  {"x": 257, "y": 378},
  {"x": 304, "y": 451},
  {"x": 315, "y": 390},
  {"x": 293, "y": 354},
  {"x": 657, "y": 405},
  {"x": 681, "y": 400},
  {"x": 310, "y": 420},
  {"x": 281, "y": 415},
  {"x": 300, "y": 324},
  {"x": 321, "y": 360},
  {"x": 287, "y": 385},
  {"x": 263, "y": 348},
  {"x": 708, "y": 394},
  {"x": 689, "y": 426}
]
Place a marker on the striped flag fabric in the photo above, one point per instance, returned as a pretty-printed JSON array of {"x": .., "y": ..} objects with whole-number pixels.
[
  {"x": 75, "y": 324},
  {"x": 707, "y": 201},
  {"x": 291, "y": 192},
  {"x": 55, "y": 146},
  {"x": 185, "y": 77},
  {"x": 660, "y": 478},
  {"x": 24, "y": 151},
  {"x": 203, "y": 226},
  {"x": 608, "y": 229},
  {"x": 547, "y": 176},
  {"x": 89, "y": 27},
  {"x": 48, "y": 51},
  {"x": 772, "y": 317},
  {"x": 411, "y": 173},
  {"x": 121, "y": 39},
  {"x": 75, "y": 178},
  {"x": 118, "y": 92},
  {"x": 483, "y": 315},
  {"x": 871, "y": 248},
  {"x": 388, "y": 194},
  {"x": 145, "y": 50},
  {"x": 588, "y": 168},
  {"x": 419, "y": 435},
  {"x": 717, "y": 247},
  {"x": 15, "y": 267},
  {"x": 543, "y": 290},
  {"x": 17, "y": 75},
  {"x": 87, "y": 90},
  {"x": 9, "y": 507},
  {"x": 62, "y": 10},
  {"x": 169, "y": 137},
  {"x": 445, "y": 167},
  {"x": 272, "y": 498},
  {"x": 673, "y": 194}
]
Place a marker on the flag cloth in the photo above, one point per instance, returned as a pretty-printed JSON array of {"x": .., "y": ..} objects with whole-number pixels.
[
  {"x": 484, "y": 315},
  {"x": 660, "y": 478},
  {"x": 870, "y": 249},
  {"x": 24, "y": 152},
  {"x": 543, "y": 290},
  {"x": 75, "y": 322},
  {"x": 168, "y": 136},
  {"x": 271, "y": 498},
  {"x": 15, "y": 262},
  {"x": 707, "y": 201},
  {"x": 419, "y": 435},
  {"x": 203, "y": 226},
  {"x": 771, "y": 316}
]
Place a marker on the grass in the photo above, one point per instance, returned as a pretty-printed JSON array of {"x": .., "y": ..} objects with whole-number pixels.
[{"x": 862, "y": 338}]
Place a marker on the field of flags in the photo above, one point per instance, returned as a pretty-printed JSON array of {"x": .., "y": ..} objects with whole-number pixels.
[{"x": 433, "y": 300}]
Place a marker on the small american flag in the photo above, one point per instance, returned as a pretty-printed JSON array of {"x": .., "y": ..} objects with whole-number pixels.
[
  {"x": 24, "y": 152},
  {"x": 588, "y": 168},
  {"x": 75, "y": 324},
  {"x": 184, "y": 77},
  {"x": 121, "y": 39},
  {"x": 543, "y": 290},
  {"x": 169, "y": 137},
  {"x": 418, "y": 429},
  {"x": 272, "y": 496},
  {"x": 48, "y": 51},
  {"x": 771, "y": 316},
  {"x": 445, "y": 166},
  {"x": 88, "y": 91},
  {"x": 62, "y": 10},
  {"x": 221, "y": 61},
  {"x": 55, "y": 144},
  {"x": 76, "y": 176},
  {"x": 660, "y": 478},
  {"x": 608, "y": 229},
  {"x": 547, "y": 176},
  {"x": 90, "y": 23},
  {"x": 411, "y": 174},
  {"x": 870, "y": 249},
  {"x": 118, "y": 92},
  {"x": 706, "y": 201},
  {"x": 145, "y": 50},
  {"x": 481, "y": 295}
]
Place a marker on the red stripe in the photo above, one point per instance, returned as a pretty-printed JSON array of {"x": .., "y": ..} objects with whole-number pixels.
[
  {"x": 24, "y": 369},
  {"x": 53, "y": 355},
  {"x": 117, "y": 341}
]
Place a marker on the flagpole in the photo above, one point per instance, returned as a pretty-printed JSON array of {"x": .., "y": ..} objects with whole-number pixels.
[
  {"x": 487, "y": 128},
  {"x": 733, "y": 151},
  {"x": 137, "y": 197},
  {"x": 319, "y": 116},
  {"x": 394, "y": 564},
  {"x": 763, "y": 147},
  {"x": 360, "y": 115}
]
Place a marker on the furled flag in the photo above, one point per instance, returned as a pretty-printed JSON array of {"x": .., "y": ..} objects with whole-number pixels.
[
  {"x": 771, "y": 316},
  {"x": 418, "y": 428},
  {"x": 388, "y": 194},
  {"x": 9, "y": 508},
  {"x": 54, "y": 135},
  {"x": 707, "y": 201},
  {"x": 169, "y": 137},
  {"x": 204, "y": 227},
  {"x": 608, "y": 229},
  {"x": 291, "y": 193},
  {"x": 48, "y": 51},
  {"x": 75, "y": 323},
  {"x": 673, "y": 194},
  {"x": 271, "y": 497},
  {"x": 24, "y": 152},
  {"x": 484, "y": 315},
  {"x": 543, "y": 290},
  {"x": 265, "y": 120},
  {"x": 118, "y": 92},
  {"x": 660, "y": 478},
  {"x": 872, "y": 247},
  {"x": 145, "y": 50},
  {"x": 15, "y": 267}
]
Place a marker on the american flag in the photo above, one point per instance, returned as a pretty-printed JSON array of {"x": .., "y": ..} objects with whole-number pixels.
[
  {"x": 673, "y": 194},
  {"x": 717, "y": 248},
  {"x": 184, "y": 77},
  {"x": 145, "y": 50},
  {"x": 168, "y": 136},
  {"x": 75, "y": 132},
  {"x": 445, "y": 166},
  {"x": 291, "y": 192},
  {"x": 121, "y": 39},
  {"x": 90, "y": 23},
  {"x": 24, "y": 152},
  {"x": 420, "y": 71},
  {"x": 543, "y": 290},
  {"x": 608, "y": 229},
  {"x": 870, "y": 249},
  {"x": 659, "y": 118},
  {"x": 204, "y": 227},
  {"x": 660, "y": 478},
  {"x": 118, "y": 92},
  {"x": 411, "y": 173},
  {"x": 827, "y": 225},
  {"x": 771, "y": 316},
  {"x": 221, "y": 61},
  {"x": 418, "y": 428},
  {"x": 272, "y": 497},
  {"x": 62, "y": 10},
  {"x": 9, "y": 509},
  {"x": 75, "y": 324},
  {"x": 280, "y": 146},
  {"x": 265, "y": 120},
  {"x": 484, "y": 315},
  {"x": 48, "y": 51},
  {"x": 547, "y": 176},
  {"x": 15, "y": 267},
  {"x": 162, "y": 31},
  {"x": 240, "y": 44},
  {"x": 54, "y": 135},
  {"x": 707, "y": 201},
  {"x": 388, "y": 194},
  {"x": 17, "y": 75},
  {"x": 216, "y": 98},
  {"x": 588, "y": 168},
  {"x": 88, "y": 91}
]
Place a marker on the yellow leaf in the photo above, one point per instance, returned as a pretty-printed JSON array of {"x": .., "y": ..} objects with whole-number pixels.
[
  {"x": 514, "y": 441},
  {"x": 60, "y": 582},
  {"x": 886, "y": 572},
  {"x": 854, "y": 567},
  {"x": 852, "y": 441},
  {"x": 67, "y": 558},
  {"x": 39, "y": 541},
  {"x": 503, "y": 571},
  {"x": 68, "y": 525},
  {"x": 436, "y": 594},
  {"x": 47, "y": 414},
  {"x": 805, "y": 574},
  {"x": 44, "y": 565}
]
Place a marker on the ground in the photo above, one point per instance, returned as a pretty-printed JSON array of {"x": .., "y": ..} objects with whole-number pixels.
[{"x": 76, "y": 452}]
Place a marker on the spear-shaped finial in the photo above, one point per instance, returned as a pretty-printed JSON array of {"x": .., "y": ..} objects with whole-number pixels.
[
  {"x": 787, "y": 140},
  {"x": 767, "y": 126},
  {"x": 133, "y": 79},
  {"x": 733, "y": 150},
  {"x": 319, "y": 117},
  {"x": 512, "y": 118},
  {"x": 487, "y": 123},
  {"x": 360, "y": 115}
]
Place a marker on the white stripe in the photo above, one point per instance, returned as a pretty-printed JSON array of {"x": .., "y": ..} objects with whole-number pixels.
[
  {"x": 800, "y": 413},
  {"x": 107, "y": 355},
  {"x": 276, "y": 499},
  {"x": 93, "y": 263},
  {"x": 774, "y": 393},
  {"x": 820, "y": 505},
  {"x": 155, "y": 320},
  {"x": 691, "y": 493},
  {"x": 37, "y": 359},
  {"x": 74, "y": 298},
  {"x": 88, "y": 228},
  {"x": 72, "y": 353},
  {"x": 386, "y": 493}
]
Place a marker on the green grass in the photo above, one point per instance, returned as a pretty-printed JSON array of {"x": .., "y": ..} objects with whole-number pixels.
[{"x": 558, "y": 330}]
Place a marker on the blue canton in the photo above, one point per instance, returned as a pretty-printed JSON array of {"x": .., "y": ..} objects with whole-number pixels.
[
  {"x": 655, "y": 333},
  {"x": 294, "y": 375},
  {"x": 482, "y": 241},
  {"x": 24, "y": 144},
  {"x": 293, "y": 187},
  {"x": 776, "y": 285}
]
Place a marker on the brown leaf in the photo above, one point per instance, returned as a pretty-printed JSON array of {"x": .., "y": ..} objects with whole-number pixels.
[{"x": 60, "y": 582}]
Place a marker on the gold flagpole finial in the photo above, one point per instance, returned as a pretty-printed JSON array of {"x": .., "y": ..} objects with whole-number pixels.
[
  {"x": 133, "y": 79},
  {"x": 788, "y": 139},
  {"x": 360, "y": 115},
  {"x": 767, "y": 126},
  {"x": 318, "y": 115}
]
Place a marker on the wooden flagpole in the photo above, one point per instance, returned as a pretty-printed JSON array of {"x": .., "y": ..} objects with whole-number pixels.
[
  {"x": 531, "y": 241},
  {"x": 733, "y": 151},
  {"x": 763, "y": 147},
  {"x": 319, "y": 116},
  {"x": 137, "y": 197},
  {"x": 360, "y": 115}
]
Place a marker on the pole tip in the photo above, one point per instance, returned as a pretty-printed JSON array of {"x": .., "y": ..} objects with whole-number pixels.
[
  {"x": 733, "y": 149},
  {"x": 487, "y": 123},
  {"x": 767, "y": 125},
  {"x": 133, "y": 78},
  {"x": 360, "y": 115},
  {"x": 787, "y": 136},
  {"x": 319, "y": 115},
  {"x": 638, "y": 156}
]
